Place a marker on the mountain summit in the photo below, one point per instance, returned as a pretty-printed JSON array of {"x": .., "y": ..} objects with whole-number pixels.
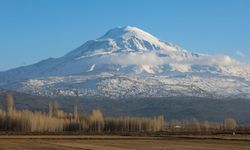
[
  {"x": 123, "y": 39},
  {"x": 134, "y": 39},
  {"x": 129, "y": 62},
  {"x": 128, "y": 32}
]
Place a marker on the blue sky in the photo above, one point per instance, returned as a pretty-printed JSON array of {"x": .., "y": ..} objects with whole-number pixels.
[{"x": 32, "y": 30}]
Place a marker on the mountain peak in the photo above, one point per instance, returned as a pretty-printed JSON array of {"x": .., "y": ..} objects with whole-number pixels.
[
  {"x": 129, "y": 62},
  {"x": 124, "y": 39},
  {"x": 128, "y": 32},
  {"x": 129, "y": 37}
]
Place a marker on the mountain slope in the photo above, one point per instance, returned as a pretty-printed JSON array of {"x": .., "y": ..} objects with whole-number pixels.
[{"x": 129, "y": 62}]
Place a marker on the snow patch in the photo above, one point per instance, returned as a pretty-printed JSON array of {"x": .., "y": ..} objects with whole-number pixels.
[
  {"x": 91, "y": 68},
  {"x": 147, "y": 68},
  {"x": 180, "y": 67}
]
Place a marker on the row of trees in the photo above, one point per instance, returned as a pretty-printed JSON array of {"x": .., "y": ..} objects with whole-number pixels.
[
  {"x": 57, "y": 120},
  {"x": 193, "y": 125}
]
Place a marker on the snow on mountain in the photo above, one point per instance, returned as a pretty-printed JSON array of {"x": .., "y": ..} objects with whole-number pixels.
[
  {"x": 91, "y": 68},
  {"x": 129, "y": 62}
]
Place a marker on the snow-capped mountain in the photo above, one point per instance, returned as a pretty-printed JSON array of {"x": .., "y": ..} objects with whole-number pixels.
[{"x": 129, "y": 62}]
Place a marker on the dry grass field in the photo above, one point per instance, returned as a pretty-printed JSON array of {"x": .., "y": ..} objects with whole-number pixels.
[{"x": 122, "y": 143}]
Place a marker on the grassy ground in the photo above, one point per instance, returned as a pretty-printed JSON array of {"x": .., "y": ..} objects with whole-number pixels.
[{"x": 123, "y": 143}]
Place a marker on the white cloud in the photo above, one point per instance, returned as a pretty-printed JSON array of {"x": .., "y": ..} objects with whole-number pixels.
[
  {"x": 240, "y": 53},
  {"x": 152, "y": 62},
  {"x": 126, "y": 59},
  {"x": 153, "y": 59},
  {"x": 219, "y": 60}
]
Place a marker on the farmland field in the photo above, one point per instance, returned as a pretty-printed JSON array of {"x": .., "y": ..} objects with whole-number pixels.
[{"x": 54, "y": 142}]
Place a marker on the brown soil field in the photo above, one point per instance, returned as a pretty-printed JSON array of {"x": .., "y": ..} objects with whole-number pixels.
[{"x": 124, "y": 143}]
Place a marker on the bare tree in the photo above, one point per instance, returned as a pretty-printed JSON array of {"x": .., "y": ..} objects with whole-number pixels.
[
  {"x": 50, "y": 109},
  {"x": 75, "y": 112},
  {"x": 206, "y": 125},
  {"x": 10, "y": 103},
  {"x": 229, "y": 124},
  {"x": 96, "y": 120}
]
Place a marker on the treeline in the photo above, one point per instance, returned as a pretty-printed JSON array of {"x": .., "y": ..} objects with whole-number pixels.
[
  {"x": 57, "y": 120},
  {"x": 193, "y": 125}
]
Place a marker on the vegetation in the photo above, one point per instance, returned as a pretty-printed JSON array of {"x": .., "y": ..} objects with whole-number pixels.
[{"x": 56, "y": 120}]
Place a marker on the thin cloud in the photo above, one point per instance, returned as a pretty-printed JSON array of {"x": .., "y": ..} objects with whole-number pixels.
[
  {"x": 240, "y": 53},
  {"x": 151, "y": 58}
]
